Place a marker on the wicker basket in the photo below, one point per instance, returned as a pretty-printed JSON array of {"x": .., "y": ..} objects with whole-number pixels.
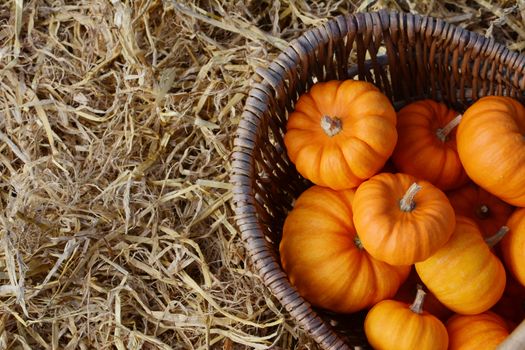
[{"x": 408, "y": 57}]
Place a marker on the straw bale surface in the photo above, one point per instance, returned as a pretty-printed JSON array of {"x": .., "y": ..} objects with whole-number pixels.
[{"x": 116, "y": 126}]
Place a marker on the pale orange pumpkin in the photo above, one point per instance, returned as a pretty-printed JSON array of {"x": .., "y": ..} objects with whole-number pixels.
[
  {"x": 513, "y": 245},
  {"x": 484, "y": 331},
  {"x": 491, "y": 146},
  {"x": 341, "y": 133},
  {"x": 489, "y": 212},
  {"x": 401, "y": 220},
  {"x": 464, "y": 274},
  {"x": 394, "y": 325},
  {"x": 426, "y": 146},
  {"x": 323, "y": 258}
]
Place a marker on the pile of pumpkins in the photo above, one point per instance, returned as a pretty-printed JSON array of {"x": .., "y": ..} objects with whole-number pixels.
[{"x": 420, "y": 203}]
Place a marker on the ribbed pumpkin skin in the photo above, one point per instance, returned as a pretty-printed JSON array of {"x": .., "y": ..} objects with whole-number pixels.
[
  {"x": 464, "y": 274},
  {"x": 360, "y": 150},
  {"x": 322, "y": 260},
  {"x": 417, "y": 127},
  {"x": 392, "y": 235},
  {"x": 391, "y": 325},
  {"x": 476, "y": 332},
  {"x": 491, "y": 146},
  {"x": 513, "y": 245},
  {"x": 468, "y": 201}
]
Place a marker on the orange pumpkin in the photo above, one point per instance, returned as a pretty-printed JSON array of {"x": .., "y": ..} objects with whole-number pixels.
[
  {"x": 401, "y": 220},
  {"x": 489, "y": 212},
  {"x": 464, "y": 274},
  {"x": 513, "y": 245},
  {"x": 491, "y": 146},
  {"x": 426, "y": 130},
  {"x": 341, "y": 133},
  {"x": 324, "y": 259},
  {"x": 407, "y": 292},
  {"x": 476, "y": 332},
  {"x": 394, "y": 325}
]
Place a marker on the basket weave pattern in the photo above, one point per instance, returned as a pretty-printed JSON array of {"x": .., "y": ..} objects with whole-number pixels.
[{"x": 408, "y": 57}]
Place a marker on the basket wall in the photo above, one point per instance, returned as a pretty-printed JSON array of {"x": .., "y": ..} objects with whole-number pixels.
[{"x": 408, "y": 57}]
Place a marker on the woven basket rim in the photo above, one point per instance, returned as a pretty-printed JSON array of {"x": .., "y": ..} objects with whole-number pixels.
[{"x": 266, "y": 82}]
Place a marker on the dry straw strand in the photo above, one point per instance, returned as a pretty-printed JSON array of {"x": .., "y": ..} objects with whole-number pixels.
[{"x": 117, "y": 121}]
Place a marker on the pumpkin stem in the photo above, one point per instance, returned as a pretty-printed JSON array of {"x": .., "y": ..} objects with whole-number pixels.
[
  {"x": 407, "y": 203},
  {"x": 358, "y": 243},
  {"x": 493, "y": 240},
  {"x": 331, "y": 126},
  {"x": 482, "y": 212},
  {"x": 417, "y": 305},
  {"x": 443, "y": 132}
]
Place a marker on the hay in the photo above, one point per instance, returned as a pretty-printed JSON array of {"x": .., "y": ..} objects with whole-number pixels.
[{"x": 116, "y": 125}]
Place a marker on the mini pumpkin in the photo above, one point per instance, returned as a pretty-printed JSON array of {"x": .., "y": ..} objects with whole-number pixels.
[
  {"x": 341, "y": 133},
  {"x": 513, "y": 245},
  {"x": 395, "y": 325},
  {"x": 490, "y": 140},
  {"x": 400, "y": 219},
  {"x": 487, "y": 210},
  {"x": 426, "y": 130},
  {"x": 484, "y": 331},
  {"x": 324, "y": 259},
  {"x": 464, "y": 274}
]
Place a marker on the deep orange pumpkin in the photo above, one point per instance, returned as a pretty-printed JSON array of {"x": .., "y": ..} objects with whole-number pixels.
[
  {"x": 325, "y": 261},
  {"x": 513, "y": 245},
  {"x": 426, "y": 131},
  {"x": 394, "y": 325},
  {"x": 401, "y": 220},
  {"x": 476, "y": 332},
  {"x": 464, "y": 274},
  {"x": 341, "y": 133},
  {"x": 489, "y": 212},
  {"x": 491, "y": 146}
]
